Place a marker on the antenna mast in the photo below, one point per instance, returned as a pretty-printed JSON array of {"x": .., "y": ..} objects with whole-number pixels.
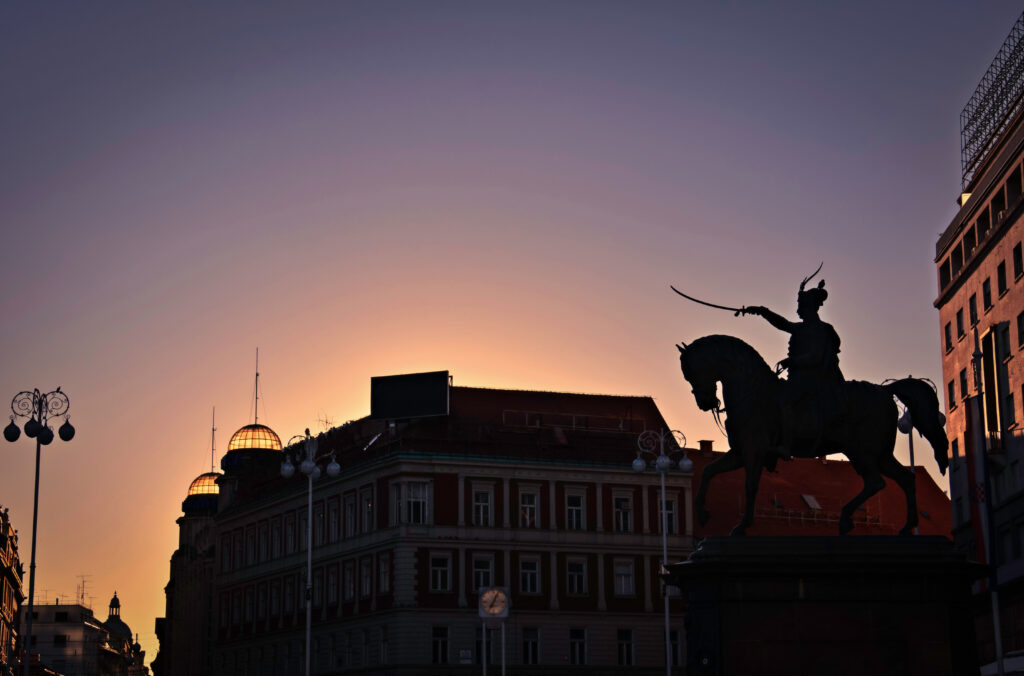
[
  {"x": 256, "y": 391},
  {"x": 213, "y": 437}
]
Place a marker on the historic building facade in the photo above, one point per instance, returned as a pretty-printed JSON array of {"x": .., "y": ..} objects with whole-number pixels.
[
  {"x": 530, "y": 491},
  {"x": 71, "y": 641},
  {"x": 11, "y": 595},
  {"x": 981, "y": 306}
]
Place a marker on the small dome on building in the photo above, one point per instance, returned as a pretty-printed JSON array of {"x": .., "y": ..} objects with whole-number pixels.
[
  {"x": 115, "y": 603},
  {"x": 255, "y": 436},
  {"x": 204, "y": 484}
]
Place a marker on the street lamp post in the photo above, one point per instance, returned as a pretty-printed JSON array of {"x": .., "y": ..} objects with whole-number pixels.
[
  {"x": 647, "y": 442},
  {"x": 311, "y": 469},
  {"x": 38, "y": 408}
]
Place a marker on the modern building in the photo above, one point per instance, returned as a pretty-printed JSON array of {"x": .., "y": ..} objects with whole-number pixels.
[
  {"x": 529, "y": 491},
  {"x": 71, "y": 641},
  {"x": 11, "y": 595},
  {"x": 981, "y": 307}
]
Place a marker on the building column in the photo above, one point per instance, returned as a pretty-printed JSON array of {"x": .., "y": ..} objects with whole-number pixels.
[
  {"x": 462, "y": 577},
  {"x": 462, "y": 500},
  {"x": 687, "y": 505},
  {"x": 552, "y": 507},
  {"x": 646, "y": 508},
  {"x": 506, "y": 517},
  {"x": 648, "y": 606},
  {"x": 599, "y": 507},
  {"x": 554, "y": 579}
]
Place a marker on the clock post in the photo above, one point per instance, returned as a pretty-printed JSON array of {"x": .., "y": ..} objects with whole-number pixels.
[{"x": 494, "y": 603}]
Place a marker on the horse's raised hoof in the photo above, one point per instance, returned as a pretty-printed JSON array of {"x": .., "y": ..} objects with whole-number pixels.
[{"x": 703, "y": 516}]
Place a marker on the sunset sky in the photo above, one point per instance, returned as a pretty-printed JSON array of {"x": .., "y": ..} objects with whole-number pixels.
[{"x": 504, "y": 191}]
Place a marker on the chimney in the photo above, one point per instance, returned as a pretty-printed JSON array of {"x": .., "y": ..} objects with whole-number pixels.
[{"x": 705, "y": 445}]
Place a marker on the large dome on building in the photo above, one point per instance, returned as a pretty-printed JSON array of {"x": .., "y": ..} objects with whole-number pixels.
[
  {"x": 204, "y": 484},
  {"x": 255, "y": 436}
]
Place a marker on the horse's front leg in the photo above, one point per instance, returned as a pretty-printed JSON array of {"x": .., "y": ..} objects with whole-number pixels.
[
  {"x": 732, "y": 460},
  {"x": 753, "y": 466}
]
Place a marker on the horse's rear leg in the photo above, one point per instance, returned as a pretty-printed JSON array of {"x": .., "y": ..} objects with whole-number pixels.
[
  {"x": 891, "y": 467},
  {"x": 873, "y": 482},
  {"x": 753, "y": 467},
  {"x": 727, "y": 463}
]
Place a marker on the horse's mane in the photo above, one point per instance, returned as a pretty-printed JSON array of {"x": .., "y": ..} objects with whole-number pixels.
[{"x": 733, "y": 349}]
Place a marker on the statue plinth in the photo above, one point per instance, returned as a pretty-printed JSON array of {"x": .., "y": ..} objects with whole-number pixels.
[{"x": 828, "y": 605}]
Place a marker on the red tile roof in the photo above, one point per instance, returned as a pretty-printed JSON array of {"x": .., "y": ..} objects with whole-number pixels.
[{"x": 781, "y": 509}]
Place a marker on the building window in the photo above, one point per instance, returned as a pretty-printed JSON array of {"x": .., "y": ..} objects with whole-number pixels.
[
  {"x": 440, "y": 572},
  {"x": 972, "y": 308},
  {"x": 963, "y": 383},
  {"x": 366, "y": 510},
  {"x": 482, "y": 507},
  {"x": 1010, "y": 412},
  {"x": 318, "y": 589},
  {"x": 275, "y": 539},
  {"x": 625, "y": 644},
  {"x": 670, "y": 512},
  {"x": 333, "y": 521},
  {"x": 411, "y": 503},
  {"x": 439, "y": 639},
  {"x": 350, "y": 516},
  {"x": 59, "y": 639},
  {"x": 575, "y": 518},
  {"x": 289, "y": 596},
  {"x": 951, "y": 392},
  {"x": 986, "y": 293},
  {"x": 624, "y": 578},
  {"x": 384, "y": 573},
  {"x": 623, "y": 514},
  {"x": 261, "y": 603},
  {"x": 225, "y": 554},
  {"x": 576, "y": 577},
  {"x": 332, "y": 585},
  {"x": 303, "y": 531},
  {"x": 578, "y": 647},
  {"x": 948, "y": 333},
  {"x": 480, "y": 647},
  {"x": 1018, "y": 262},
  {"x": 1020, "y": 330},
  {"x": 349, "y": 581},
  {"x": 960, "y": 323},
  {"x": 529, "y": 576},
  {"x": 531, "y": 645},
  {"x": 289, "y": 535},
  {"x": 1001, "y": 278},
  {"x": 483, "y": 573},
  {"x": 366, "y": 577},
  {"x": 528, "y": 503}
]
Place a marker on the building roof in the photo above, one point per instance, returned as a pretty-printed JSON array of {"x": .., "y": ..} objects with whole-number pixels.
[
  {"x": 255, "y": 436},
  {"x": 204, "y": 484},
  {"x": 805, "y": 495}
]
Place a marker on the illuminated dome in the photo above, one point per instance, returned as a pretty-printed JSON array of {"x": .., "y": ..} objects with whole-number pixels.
[
  {"x": 255, "y": 436},
  {"x": 205, "y": 484}
]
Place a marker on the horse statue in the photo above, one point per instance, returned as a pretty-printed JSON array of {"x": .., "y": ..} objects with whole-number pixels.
[{"x": 752, "y": 394}]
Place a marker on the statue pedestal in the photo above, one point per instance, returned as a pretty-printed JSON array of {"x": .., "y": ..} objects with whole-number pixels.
[{"x": 828, "y": 605}]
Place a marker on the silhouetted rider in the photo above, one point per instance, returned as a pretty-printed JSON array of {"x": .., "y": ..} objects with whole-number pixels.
[{"x": 813, "y": 359}]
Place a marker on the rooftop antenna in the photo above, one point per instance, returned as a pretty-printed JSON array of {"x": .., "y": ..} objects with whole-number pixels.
[
  {"x": 84, "y": 579},
  {"x": 256, "y": 391},
  {"x": 213, "y": 437}
]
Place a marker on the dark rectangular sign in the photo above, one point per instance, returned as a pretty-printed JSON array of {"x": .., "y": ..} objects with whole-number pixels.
[{"x": 412, "y": 395}]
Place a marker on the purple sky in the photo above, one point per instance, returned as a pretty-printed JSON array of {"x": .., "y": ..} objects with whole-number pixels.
[{"x": 504, "y": 191}]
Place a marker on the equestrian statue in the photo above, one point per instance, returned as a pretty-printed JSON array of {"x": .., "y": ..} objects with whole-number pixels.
[{"x": 812, "y": 413}]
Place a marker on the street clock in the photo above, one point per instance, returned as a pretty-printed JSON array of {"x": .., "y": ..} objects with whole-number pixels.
[{"x": 494, "y": 602}]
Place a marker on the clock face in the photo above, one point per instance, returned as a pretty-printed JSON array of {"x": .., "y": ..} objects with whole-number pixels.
[{"x": 494, "y": 601}]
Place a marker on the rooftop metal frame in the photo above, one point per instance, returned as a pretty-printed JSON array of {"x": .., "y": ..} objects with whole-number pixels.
[{"x": 994, "y": 103}]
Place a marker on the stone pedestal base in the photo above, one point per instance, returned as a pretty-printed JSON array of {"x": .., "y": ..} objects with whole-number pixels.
[{"x": 827, "y": 605}]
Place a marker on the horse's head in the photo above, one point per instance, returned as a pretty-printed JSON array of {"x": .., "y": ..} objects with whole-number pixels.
[{"x": 699, "y": 373}]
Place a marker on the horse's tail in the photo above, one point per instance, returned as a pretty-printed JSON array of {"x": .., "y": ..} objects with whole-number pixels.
[{"x": 919, "y": 397}]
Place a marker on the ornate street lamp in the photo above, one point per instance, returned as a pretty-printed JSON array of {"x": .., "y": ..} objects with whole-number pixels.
[
  {"x": 309, "y": 465},
  {"x": 647, "y": 442},
  {"x": 39, "y": 409}
]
